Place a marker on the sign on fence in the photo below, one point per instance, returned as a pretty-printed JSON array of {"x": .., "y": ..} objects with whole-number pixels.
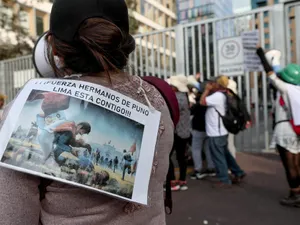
[
  {"x": 231, "y": 56},
  {"x": 250, "y": 41}
]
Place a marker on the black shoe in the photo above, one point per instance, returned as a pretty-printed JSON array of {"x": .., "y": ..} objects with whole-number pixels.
[
  {"x": 201, "y": 175},
  {"x": 238, "y": 179},
  {"x": 293, "y": 200},
  {"x": 194, "y": 175},
  {"x": 211, "y": 172}
]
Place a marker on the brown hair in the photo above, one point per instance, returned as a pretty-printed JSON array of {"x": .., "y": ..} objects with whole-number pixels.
[{"x": 99, "y": 46}]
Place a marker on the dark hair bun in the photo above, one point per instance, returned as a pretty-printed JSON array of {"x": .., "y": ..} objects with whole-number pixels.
[{"x": 99, "y": 45}]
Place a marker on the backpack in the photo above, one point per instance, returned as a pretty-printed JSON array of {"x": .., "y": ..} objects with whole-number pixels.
[
  {"x": 236, "y": 114},
  {"x": 170, "y": 98}
]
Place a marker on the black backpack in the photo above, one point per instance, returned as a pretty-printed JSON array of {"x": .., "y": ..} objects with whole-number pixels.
[{"x": 236, "y": 114}]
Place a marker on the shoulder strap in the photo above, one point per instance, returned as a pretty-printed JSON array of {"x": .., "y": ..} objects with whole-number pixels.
[
  {"x": 43, "y": 187},
  {"x": 168, "y": 94}
]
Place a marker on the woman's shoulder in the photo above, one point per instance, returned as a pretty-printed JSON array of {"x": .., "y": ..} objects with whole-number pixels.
[{"x": 132, "y": 89}]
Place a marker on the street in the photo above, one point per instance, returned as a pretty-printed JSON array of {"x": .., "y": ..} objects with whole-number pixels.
[{"x": 253, "y": 203}]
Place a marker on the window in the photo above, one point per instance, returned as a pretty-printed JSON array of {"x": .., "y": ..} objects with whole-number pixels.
[
  {"x": 195, "y": 13},
  {"x": 24, "y": 19},
  {"x": 267, "y": 46},
  {"x": 39, "y": 26},
  {"x": 266, "y": 25},
  {"x": 197, "y": 3},
  {"x": 267, "y": 35},
  {"x": 190, "y": 14},
  {"x": 6, "y": 14},
  {"x": 183, "y": 5},
  {"x": 142, "y": 7},
  {"x": 183, "y": 15},
  {"x": 266, "y": 14}
]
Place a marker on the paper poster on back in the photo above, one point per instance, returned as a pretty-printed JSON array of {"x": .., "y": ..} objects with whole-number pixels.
[{"x": 82, "y": 134}]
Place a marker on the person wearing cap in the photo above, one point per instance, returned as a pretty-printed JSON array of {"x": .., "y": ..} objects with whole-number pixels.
[
  {"x": 287, "y": 108},
  {"x": 91, "y": 39},
  {"x": 215, "y": 100},
  {"x": 182, "y": 132}
]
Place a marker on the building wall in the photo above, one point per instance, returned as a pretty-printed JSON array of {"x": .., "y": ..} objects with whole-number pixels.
[
  {"x": 151, "y": 15},
  {"x": 195, "y": 10},
  {"x": 266, "y": 22}
]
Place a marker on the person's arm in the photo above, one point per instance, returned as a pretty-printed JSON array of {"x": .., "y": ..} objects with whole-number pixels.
[
  {"x": 278, "y": 84},
  {"x": 206, "y": 92}
]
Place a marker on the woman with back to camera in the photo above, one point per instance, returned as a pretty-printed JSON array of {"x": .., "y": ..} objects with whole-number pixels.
[{"x": 91, "y": 38}]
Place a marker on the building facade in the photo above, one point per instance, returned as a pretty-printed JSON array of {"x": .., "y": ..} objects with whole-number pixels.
[
  {"x": 292, "y": 25},
  {"x": 195, "y": 10},
  {"x": 150, "y": 14}
]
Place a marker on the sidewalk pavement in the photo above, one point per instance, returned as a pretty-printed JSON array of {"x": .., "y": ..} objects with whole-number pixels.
[{"x": 253, "y": 203}]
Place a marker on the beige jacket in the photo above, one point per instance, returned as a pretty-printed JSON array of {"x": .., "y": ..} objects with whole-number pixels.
[{"x": 67, "y": 205}]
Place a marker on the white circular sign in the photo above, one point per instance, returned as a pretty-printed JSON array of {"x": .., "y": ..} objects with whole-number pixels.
[{"x": 230, "y": 49}]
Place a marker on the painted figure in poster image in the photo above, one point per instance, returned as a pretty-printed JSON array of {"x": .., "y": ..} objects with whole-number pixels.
[
  {"x": 65, "y": 139},
  {"x": 127, "y": 160},
  {"x": 53, "y": 125}
]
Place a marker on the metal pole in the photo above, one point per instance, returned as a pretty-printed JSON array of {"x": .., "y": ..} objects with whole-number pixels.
[
  {"x": 179, "y": 33},
  {"x": 187, "y": 58},
  {"x": 264, "y": 88},
  {"x": 215, "y": 50},
  {"x": 165, "y": 58},
  {"x": 194, "y": 50},
  {"x": 200, "y": 52},
  {"x": 158, "y": 55},
  {"x": 297, "y": 29},
  {"x": 207, "y": 50},
  {"x": 147, "y": 54},
  {"x": 171, "y": 53},
  {"x": 141, "y": 57},
  {"x": 152, "y": 56},
  {"x": 281, "y": 32}
]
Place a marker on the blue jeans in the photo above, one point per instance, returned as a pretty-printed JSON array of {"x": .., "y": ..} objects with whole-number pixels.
[
  {"x": 200, "y": 144},
  {"x": 223, "y": 159}
]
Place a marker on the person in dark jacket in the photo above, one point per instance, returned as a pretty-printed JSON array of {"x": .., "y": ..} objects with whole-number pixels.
[{"x": 200, "y": 142}]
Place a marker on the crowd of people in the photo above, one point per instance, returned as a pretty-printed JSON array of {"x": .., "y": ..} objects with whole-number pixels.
[
  {"x": 202, "y": 105},
  {"x": 206, "y": 104}
]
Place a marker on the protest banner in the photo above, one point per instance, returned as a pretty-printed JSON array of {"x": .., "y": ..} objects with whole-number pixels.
[
  {"x": 82, "y": 134},
  {"x": 250, "y": 40}
]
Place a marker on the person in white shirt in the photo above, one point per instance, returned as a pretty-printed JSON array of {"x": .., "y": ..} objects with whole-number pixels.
[
  {"x": 215, "y": 100},
  {"x": 286, "y": 138}
]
